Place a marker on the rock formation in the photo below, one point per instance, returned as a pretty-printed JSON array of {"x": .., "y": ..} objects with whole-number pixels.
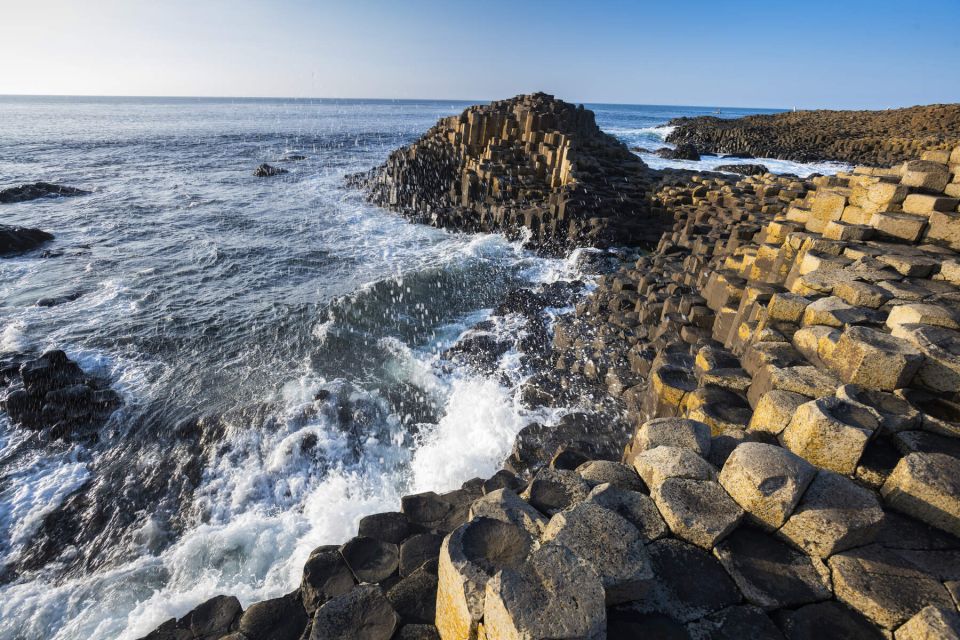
[
  {"x": 37, "y": 190},
  {"x": 15, "y": 240},
  {"x": 787, "y": 362},
  {"x": 531, "y": 162},
  {"x": 879, "y": 138},
  {"x": 267, "y": 171}
]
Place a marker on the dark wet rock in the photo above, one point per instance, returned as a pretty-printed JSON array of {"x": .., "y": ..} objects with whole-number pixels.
[
  {"x": 293, "y": 157},
  {"x": 415, "y": 597},
  {"x": 681, "y": 152},
  {"x": 418, "y": 550},
  {"x": 325, "y": 575},
  {"x": 36, "y": 190},
  {"x": 735, "y": 623},
  {"x": 417, "y": 632},
  {"x": 15, "y": 240},
  {"x": 600, "y": 436},
  {"x": 391, "y": 526},
  {"x": 553, "y": 490},
  {"x": 58, "y": 300},
  {"x": 502, "y": 479},
  {"x": 441, "y": 513},
  {"x": 825, "y": 621},
  {"x": 265, "y": 171},
  {"x": 370, "y": 560},
  {"x": 625, "y": 623},
  {"x": 743, "y": 169},
  {"x": 214, "y": 618},
  {"x": 278, "y": 619},
  {"x": 52, "y": 394},
  {"x": 477, "y": 349},
  {"x": 363, "y": 614}
]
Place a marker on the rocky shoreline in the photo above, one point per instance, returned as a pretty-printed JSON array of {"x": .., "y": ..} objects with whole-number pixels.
[
  {"x": 877, "y": 138},
  {"x": 771, "y": 406}
]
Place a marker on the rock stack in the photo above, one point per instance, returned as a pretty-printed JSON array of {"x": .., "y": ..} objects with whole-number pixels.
[
  {"x": 530, "y": 163},
  {"x": 788, "y": 362},
  {"x": 879, "y": 138}
]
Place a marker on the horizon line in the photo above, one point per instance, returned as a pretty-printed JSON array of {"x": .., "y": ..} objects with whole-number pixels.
[{"x": 466, "y": 101}]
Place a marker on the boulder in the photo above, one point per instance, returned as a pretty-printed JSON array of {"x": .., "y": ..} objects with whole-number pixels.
[
  {"x": 597, "y": 472},
  {"x": 325, "y": 576},
  {"x": 766, "y": 481},
  {"x": 930, "y": 624},
  {"x": 774, "y": 411},
  {"x": 927, "y": 487},
  {"x": 673, "y": 432},
  {"x": 607, "y": 542},
  {"x": 414, "y": 598},
  {"x": 884, "y": 586},
  {"x": 364, "y": 613},
  {"x": 733, "y": 623},
  {"x": 417, "y": 550},
  {"x": 553, "y": 490},
  {"x": 834, "y": 514},
  {"x": 698, "y": 511},
  {"x": 469, "y": 557},
  {"x": 36, "y": 190},
  {"x": 636, "y": 508},
  {"x": 745, "y": 169},
  {"x": 681, "y": 152},
  {"x": 827, "y": 620},
  {"x": 657, "y": 465},
  {"x": 370, "y": 560},
  {"x": 392, "y": 527},
  {"x": 830, "y": 433},
  {"x": 552, "y": 595},
  {"x": 874, "y": 359},
  {"x": 265, "y": 171},
  {"x": 278, "y": 619},
  {"x": 15, "y": 240},
  {"x": 507, "y": 506},
  {"x": 771, "y": 574}
]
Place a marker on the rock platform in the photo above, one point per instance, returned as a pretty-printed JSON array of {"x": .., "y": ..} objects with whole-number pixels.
[
  {"x": 786, "y": 363},
  {"x": 879, "y": 138}
]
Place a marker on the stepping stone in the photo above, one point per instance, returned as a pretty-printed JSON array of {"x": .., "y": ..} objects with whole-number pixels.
[
  {"x": 767, "y": 481},
  {"x": 734, "y": 623},
  {"x": 553, "y": 490},
  {"x": 655, "y": 466},
  {"x": 827, "y": 620},
  {"x": 771, "y": 574},
  {"x": 927, "y": 487},
  {"x": 830, "y": 433},
  {"x": 636, "y": 508},
  {"x": 884, "y": 586},
  {"x": 370, "y": 560},
  {"x": 607, "y": 542},
  {"x": 362, "y": 614},
  {"x": 552, "y": 595},
  {"x": 325, "y": 576},
  {"x": 834, "y": 514},
  {"x": 597, "y": 472},
  {"x": 774, "y": 411},
  {"x": 874, "y": 359},
  {"x": 505, "y": 505},
  {"x": 673, "y": 432},
  {"x": 469, "y": 557},
  {"x": 932, "y": 622},
  {"x": 698, "y": 511}
]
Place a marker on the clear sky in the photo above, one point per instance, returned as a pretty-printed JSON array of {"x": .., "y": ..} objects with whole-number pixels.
[{"x": 769, "y": 53}]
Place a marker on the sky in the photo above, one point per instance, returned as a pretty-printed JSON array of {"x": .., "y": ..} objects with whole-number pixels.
[{"x": 769, "y": 53}]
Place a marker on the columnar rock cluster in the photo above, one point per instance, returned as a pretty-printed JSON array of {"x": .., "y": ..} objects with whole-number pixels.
[
  {"x": 787, "y": 361},
  {"x": 880, "y": 138},
  {"x": 531, "y": 162}
]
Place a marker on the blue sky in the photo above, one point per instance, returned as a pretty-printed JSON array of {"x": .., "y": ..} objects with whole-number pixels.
[{"x": 842, "y": 54}]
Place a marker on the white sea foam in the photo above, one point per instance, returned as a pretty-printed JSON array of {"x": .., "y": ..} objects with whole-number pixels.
[{"x": 709, "y": 163}]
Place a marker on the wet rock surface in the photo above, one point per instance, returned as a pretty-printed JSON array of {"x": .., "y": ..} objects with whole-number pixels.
[
  {"x": 14, "y": 240},
  {"x": 26, "y": 192}
]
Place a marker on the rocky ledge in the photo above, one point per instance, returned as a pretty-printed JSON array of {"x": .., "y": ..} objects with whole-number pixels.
[
  {"x": 783, "y": 463},
  {"x": 532, "y": 162},
  {"x": 879, "y": 138}
]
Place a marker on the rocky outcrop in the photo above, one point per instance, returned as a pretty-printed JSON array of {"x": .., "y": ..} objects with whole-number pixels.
[
  {"x": 879, "y": 138},
  {"x": 54, "y": 396},
  {"x": 743, "y": 169},
  {"x": 529, "y": 163},
  {"x": 266, "y": 171},
  {"x": 36, "y": 190},
  {"x": 14, "y": 240}
]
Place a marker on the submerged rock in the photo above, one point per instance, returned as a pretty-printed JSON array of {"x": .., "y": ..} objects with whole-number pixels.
[
  {"x": 15, "y": 240},
  {"x": 744, "y": 169},
  {"x": 265, "y": 171},
  {"x": 36, "y": 190}
]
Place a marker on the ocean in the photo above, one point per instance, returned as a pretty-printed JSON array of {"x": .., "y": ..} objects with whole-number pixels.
[{"x": 297, "y": 328}]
